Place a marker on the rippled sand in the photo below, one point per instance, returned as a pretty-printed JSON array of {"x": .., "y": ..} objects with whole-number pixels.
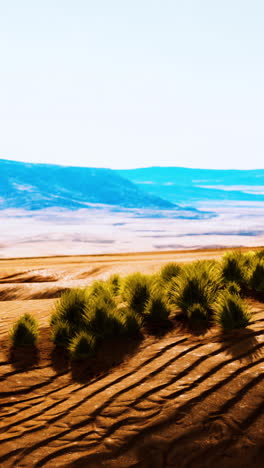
[{"x": 175, "y": 400}]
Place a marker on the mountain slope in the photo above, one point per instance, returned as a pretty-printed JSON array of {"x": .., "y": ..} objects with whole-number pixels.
[
  {"x": 37, "y": 186},
  {"x": 188, "y": 186}
]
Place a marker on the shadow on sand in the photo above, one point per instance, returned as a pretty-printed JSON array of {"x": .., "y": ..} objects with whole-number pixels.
[
  {"x": 24, "y": 357},
  {"x": 244, "y": 345},
  {"x": 110, "y": 354}
]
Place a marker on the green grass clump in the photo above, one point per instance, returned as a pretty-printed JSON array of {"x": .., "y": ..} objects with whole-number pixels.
[
  {"x": 260, "y": 254},
  {"x": 170, "y": 270},
  {"x": 101, "y": 289},
  {"x": 25, "y": 331},
  {"x": 156, "y": 310},
  {"x": 136, "y": 291},
  {"x": 130, "y": 321},
  {"x": 101, "y": 318},
  {"x": 197, "y": 316},
  {"x": 236, "y": 267},
  {"x": 231, "y": 312},
  {"x": 61, "y": 333},
  {"x": 157, "y": 286},
  {"x": 256, "y": 281},
  {"x": 233, "y": 288},
  {"x": 70, "y": 309},
  {"x": 82, "y": 345},
  {"x": 114, "y": 282},
  {"x": 199, "y": 283}
]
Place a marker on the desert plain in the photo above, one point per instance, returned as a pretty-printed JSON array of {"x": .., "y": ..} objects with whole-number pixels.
[{"x": 173, "y": 400}]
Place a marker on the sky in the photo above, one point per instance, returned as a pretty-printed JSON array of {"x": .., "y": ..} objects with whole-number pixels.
[{"x": 133, "y": 83}]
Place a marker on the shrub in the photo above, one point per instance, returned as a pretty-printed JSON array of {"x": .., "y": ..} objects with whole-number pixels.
[
  {"x": 199, "y": 283},
  {"x": 82, "y": 345},
  {"x": 260, "y": 254},
  {"x": 24, "y": 331},
  {"x": 170, "y": 270},
  {"x": 157, "y": 286},
  {"x": 114, "y": 283},
  {"x": 197, "y": 316},
  {"x": 130, "y": 321},
  {"x": 136, "y": 291},
  {"x": 70, "y": 309},
  {"x": 101, "y": 319},
  {"x": 231, "y": 312},
  {"x": 100, "y": 289},
  {"x": 256, "y": 281},
  {"x": 156, "y": 309},
  {"x": 61, "y": 333},
  {"x": 236, "y": 267},
  {"x": 233, "y": 288}
]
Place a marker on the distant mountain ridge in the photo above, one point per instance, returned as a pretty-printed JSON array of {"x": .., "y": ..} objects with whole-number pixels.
[
  {"x": 190, "y": 186},
  {"x": 38, "y": 186}
]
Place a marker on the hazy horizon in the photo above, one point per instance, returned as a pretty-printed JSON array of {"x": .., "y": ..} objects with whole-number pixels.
[{"x": 132, "y": 168}]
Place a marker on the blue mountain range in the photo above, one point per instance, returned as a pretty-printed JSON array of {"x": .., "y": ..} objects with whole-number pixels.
[{"x": 176, "y": 189}]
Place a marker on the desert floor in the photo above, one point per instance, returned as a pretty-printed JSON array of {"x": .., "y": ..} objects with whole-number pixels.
[{"x": 174, "y": 400}]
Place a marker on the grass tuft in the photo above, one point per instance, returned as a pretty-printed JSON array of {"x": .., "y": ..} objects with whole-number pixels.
[
  {"x": 197, "y": 316},
  {"x": 236, "y": 267},
  {"x": 199, "y": 283},
  {"x": 82, "y": 345},
  {"x": 114, "y": 282},
  {"x": 256, "y": 281},
  {"x": 136, "y": 291},
  {"x": 25, "y": 331},
  {"x": 70, "y": 309},
  {"x": 156, "y": 309},
  {"x": 231, "y": 312},
  {"x": 260, "y": 254},
  {"x": 100, "y": 318},
  {"x": 61, "y": 333},
  {"x": 170, "y": 270},
  {"x": 130, "y": 321},
  {"x": 233, "y": 288}
]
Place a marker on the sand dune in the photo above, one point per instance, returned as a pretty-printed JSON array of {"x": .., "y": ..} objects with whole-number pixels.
[{"x": 171, "y": 401}]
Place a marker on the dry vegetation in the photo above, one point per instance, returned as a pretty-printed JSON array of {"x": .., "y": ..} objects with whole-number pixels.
[{"x": 159, "y": 368}]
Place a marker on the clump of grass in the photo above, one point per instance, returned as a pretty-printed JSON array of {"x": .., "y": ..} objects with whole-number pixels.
[
  {"x": 197, "y": 316},
  {"x": 130, "y": 321},
  {"x": 236, "y": 267},
  {"x": 233, "y": 288},
  {"x": 256, "y": 281},
  {"x": 114, "y": 282},
  {"x": 61, "y": 333},
  {"x": 100, "y": 317},
  {"x": 82, "y": 345},
  {"x": 231, "y": 312},
  {"x": 68, "y": 317},
  {"x": 199, "y": 283},
  {"x": 100, "y": 289},
  {"x": 70, "y": 309},
  {"x": 25, "y": 331},
  {"x": 157, "y": 286},
  {"x": 156, "y": 310},
  {"x": 170, "y": 270},
  {"x": 136, "y": 291},
  {"x": 260, "y": 254}
]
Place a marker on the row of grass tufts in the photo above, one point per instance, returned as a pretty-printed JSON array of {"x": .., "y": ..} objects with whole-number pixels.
[
  {"x": 202, "y": 293},
  {"x": 82, "y": 319}
]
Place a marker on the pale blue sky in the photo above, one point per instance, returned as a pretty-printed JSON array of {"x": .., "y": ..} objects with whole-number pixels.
[{"x": 132, "y": 83}]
